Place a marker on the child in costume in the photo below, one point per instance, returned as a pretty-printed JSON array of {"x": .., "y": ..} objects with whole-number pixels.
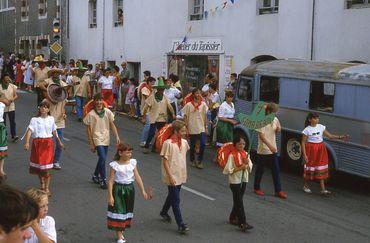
[
  {"x": 174, "y": 172},
  {"x": 121, "y": 192},
  {"x": 3, "y": 139},
  {"x": 238, "y": 167},
  {"x": 43, "y": 129},
  {"x": 314, "y": 151},
  {"x": 42, "y": 229},
  {"x": 99, "y": 121}
]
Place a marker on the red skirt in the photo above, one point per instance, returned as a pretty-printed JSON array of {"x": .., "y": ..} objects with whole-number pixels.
[
  {"x": 42, "y": 156},
  {"x": 317, "y": 166},
  {"x": 107, "y": 96}
]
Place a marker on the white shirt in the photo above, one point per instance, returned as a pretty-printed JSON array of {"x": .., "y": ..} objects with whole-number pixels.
[
  {"x": 314, "y": 134},
  {"x": 42, "y": 127},
  {"x": 47, "y": 226},
  {"x": 215, "y": 98},
  {"x": 205, "y": 88},
  {"x": 124, "y": 172},
  {"x": 226, "y": 110},
  {"x": 106, "y": 83},
  {"x": 171, "y": 94},
  {"x": 2, "y": 107}
]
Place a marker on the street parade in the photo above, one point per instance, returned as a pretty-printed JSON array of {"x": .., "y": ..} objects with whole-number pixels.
[{"x": 179, "y": 148}]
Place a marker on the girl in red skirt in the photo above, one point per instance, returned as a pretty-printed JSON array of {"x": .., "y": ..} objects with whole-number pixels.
[
  {"x": 315, "y": 155},
  {"x": 42, "y": 128}
]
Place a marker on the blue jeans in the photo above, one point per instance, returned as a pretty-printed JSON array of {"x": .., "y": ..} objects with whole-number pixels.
[
  {"x": 263, "y": 159},
  {"x": 58, "y": 149},
  {"x": 144, "y": 134},
  {"x": 173, "y": 200},
  {"x": 102, "y": 152},
  {"x": 79, "y": 104}
]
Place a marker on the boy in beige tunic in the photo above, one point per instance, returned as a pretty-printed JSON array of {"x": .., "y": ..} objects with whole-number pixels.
[
  {"x": 9, "y": 91},
  {"x": 99, "y": 121},
  {"x": 157, "y": 104},
  {"x": 81, "y": 89}
]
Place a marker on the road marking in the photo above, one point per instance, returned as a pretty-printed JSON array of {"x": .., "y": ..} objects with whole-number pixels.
[
  {"x": 67, "y": 139},
  {"x": 198, "y": 193}
]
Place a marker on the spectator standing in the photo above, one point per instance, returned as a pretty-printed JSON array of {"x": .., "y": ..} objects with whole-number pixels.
[{"x": 125, "y": 75}]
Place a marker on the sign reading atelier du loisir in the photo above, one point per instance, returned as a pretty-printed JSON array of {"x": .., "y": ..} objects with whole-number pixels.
[{"x": 197, "y": 46}]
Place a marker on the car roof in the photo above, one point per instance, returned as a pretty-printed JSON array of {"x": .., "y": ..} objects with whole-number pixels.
[{"x": 351, "y": 73}]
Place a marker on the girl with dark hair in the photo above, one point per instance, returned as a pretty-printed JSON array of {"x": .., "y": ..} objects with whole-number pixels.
[
  {"x": 121, "y": 192},
  {"x": 226, "y": 121},
  {"x": 43, "y": 129},
  {"x": 238, "y": 167},
  {"x": 315, "y": 154}
]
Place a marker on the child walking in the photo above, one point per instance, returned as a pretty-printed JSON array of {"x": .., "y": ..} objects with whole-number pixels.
[
  {"x": 121, "y": 192},
  {"x": 315, "y": 155},
  {"x": 174, "y": 173},
  {"x": 42, "y": 128}
]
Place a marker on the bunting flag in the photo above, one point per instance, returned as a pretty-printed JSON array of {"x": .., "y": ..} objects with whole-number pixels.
[
  {"x": 185, "y": 38},
  {"x": 220, "y": 7}
]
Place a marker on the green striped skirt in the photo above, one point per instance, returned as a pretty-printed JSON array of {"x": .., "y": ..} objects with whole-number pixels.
[
  {"x": 120, "y": 215},
  {"x": 224, "y": 132},
  {"x": 3, "y": 141}
]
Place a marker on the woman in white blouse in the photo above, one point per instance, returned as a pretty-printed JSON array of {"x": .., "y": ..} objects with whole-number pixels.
[
  {"x": 226, "y": 121},
  {"x": 42, "y": 128}
]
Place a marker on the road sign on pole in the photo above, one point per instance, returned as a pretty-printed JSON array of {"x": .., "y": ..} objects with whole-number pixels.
[{"x": 56, "y": 47}]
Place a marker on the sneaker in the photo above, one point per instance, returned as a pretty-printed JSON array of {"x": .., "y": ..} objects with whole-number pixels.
[
  {"x": 307, "y": 190},
  {"x": 146, "y": 151},
  {"x": 183, "y": 229},
  {"x": 103, "y": 184},
  {"x": 123, "y": 240},
  {"x": 165, "y": 217},
  {"x": 245, "y": 227},
  {"x": 142, "y": 144},
  {"x": 200, "y": 165},
  {"x": 57, "y": 166},
  {"x": 15, "y": 139},
  {"x": 193, "y": 164},
  {"x": 281, "y": 195},
  {"x": 95, "y": 179},
  {"x": 259, "y": 192}
]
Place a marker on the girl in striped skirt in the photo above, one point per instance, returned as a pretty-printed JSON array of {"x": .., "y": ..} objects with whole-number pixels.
[
  {"x": 42, "y": 128},
  {"x": 121, "y": 192},
  {"x": 315, "y": 155}
]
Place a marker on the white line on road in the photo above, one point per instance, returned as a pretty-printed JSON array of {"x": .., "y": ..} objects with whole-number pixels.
[
  {"x": 197, "y": 193},
  {"x": 67, "y": 139}
]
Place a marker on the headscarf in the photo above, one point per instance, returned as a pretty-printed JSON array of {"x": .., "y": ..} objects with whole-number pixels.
[{"x": 236, "y": 153}]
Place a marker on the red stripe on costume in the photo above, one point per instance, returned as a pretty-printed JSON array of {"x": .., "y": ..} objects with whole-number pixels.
[{"x": 118, "y": 224}]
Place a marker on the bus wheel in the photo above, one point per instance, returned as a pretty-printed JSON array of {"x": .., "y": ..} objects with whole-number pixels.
[{"x": 292, "y": 151}]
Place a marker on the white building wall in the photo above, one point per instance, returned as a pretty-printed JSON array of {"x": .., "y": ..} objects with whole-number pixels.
[{"x": 151, "y": 25}]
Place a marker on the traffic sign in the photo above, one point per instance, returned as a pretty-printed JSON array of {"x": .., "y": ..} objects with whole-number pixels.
[{"x": 56, "y": 47}]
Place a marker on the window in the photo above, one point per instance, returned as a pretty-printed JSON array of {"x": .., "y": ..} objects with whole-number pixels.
[
  {"x": 118, "y": 13},
  {"x": 269, "y": 89},
  {"x": 268, "y": 6},
  {"x": 5, "y": 5},
  {"x": 322, "y": 96},
  {"x": 42, "y": 9},
  {"x": 357, "y": 3},
  {"x": 196, "y": 9},
  {"x": 24, "y": 10},
  {"x": 92, "y": 14},
  {"x": 245, "y": 89}
]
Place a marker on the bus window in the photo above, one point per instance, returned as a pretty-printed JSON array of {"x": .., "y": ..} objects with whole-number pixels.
[
  {"x": 269, "y": 89},
  {"x": 322, "y": 96},
  {"x": 245, "y": 89}
]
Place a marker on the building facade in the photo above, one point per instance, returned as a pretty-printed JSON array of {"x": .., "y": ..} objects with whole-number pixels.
[
  {"x": 195, "y": 37},
  {"x": 7, "y": 26},
  {"x": 26, "y": 26}
]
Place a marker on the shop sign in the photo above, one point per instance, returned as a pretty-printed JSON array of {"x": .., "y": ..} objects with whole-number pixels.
[{"x": 197, "y": 46}]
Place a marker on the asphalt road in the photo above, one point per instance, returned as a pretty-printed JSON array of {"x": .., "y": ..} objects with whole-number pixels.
[{"x": 79, "y": 206}]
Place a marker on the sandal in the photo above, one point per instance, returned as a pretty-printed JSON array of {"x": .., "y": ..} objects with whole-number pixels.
[
  {"x": 307, "y": 190},
  {"x": 325, "y": 193}
]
